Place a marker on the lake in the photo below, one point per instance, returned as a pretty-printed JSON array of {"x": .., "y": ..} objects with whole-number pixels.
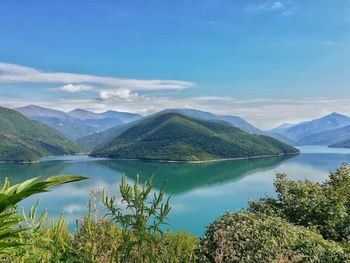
[{"x": 199, "y": 192}]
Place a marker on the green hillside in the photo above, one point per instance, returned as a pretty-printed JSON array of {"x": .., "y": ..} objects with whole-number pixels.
[
  {"x": 175, "y": 137},
  {"x": 101, "y": 138},
  {"x": 22, "y": 140}
]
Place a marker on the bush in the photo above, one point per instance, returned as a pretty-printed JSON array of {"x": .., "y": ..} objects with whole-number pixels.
[
  {"x": 179, "y": 247},
  {"x": 129, "y": 234},
  {"x": 324, "y": 207},
  {"x": 306, "y": 222},
  {"x": 248, "y": 237}
]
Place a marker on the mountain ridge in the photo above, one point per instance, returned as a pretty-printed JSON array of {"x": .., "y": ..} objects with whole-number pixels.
[
  {"x": 307, "y": 129},
  {"x": 78, "y": 123},
  {"x": 91, "y": 141},
  {"x": 24, "y": 140},
  {"x": 175, "y": 137}
]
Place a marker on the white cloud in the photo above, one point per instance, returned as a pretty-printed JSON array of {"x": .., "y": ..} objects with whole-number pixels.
[
  {"x": 70, "y": 88},
  {"x": 120, "y": 94},
  {"x": 12, "y": 73},
  {"x": 74, "y": 208},
  {"x": 277, "y": 5},
  {"x": 283, "y": 7}
]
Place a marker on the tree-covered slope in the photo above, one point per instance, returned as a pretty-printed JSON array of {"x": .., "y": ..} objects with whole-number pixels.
[
  {"x": 208, "y": 116},
  {"x": 24, "y": 140},
  {"x": 172, "y": 136},
  {"x": 99, "y": 139}
]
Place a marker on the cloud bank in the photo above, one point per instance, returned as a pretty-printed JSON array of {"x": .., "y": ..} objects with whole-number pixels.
[
  {"x": 12, "y": 73},
  {"x": 138, "y": 96}
]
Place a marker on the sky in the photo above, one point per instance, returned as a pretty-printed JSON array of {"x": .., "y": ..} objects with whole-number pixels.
[{"x": 267, "y": 61}]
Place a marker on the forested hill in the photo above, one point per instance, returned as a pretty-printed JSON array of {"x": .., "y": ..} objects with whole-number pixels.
[
  {"x": 23, "y": 140},
  {"x": 175, "y": 137}
]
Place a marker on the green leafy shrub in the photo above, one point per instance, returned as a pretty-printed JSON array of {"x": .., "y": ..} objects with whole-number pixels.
[
  {"x": 11, "y": 195},
  {"x": 139, "y": 219},
  {"x": 96, "y": 238},
  {"x": 179, "y": 247},
  {"x": 305, "y": 222},
  {"x": 325, "y": 206},
  {"x": 248, "y": 237},
  {"x": 102, "y": 239}
]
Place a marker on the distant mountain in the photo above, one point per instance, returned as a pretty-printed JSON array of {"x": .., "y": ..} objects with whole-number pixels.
[
  {"x": 23, "y": 140},
  {"x": 330, "y": 122},
  {"x": 233, "y": 120},
  {"x": 77, "y": 123},
  {"x": 280, "y": 137},
  {"x": 280, "y": 129},
  {"x": 98, "y": 139},
  {"x": 101, "y": 138},
  {"x": 175, "y": 137},
  {"x": 125, "y": 117},
  {"x": 326, "y": 137},
  {"x": 84, "y": 114},
  {"x": 70, "y": 128},
  {"x": 60, "y": 121},
  {"x": 37, "y": 111},
  {"x": 341, "y": 144}
]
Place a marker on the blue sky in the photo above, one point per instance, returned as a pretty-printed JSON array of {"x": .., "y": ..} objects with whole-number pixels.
[{"x": 267, "y": 61}]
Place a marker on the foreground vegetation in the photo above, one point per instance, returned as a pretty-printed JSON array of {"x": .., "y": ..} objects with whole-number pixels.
[{"x": 305, "y": 222}]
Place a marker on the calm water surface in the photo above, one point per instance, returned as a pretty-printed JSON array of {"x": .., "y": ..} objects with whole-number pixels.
[{"x": 199, "y": 192}]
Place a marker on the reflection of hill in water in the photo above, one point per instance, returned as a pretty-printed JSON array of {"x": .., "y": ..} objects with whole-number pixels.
[
  {"x": 20, "y": 172},
  {"x": 182, "y": 177}
]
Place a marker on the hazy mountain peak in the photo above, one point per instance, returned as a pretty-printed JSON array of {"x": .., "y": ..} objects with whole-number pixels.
[
  {"x": 285, "y": 125},
  {"x": 78, "y": 110},
  {"x": 329, "y": 122},
  {"x": 38, "y": 111},
  {"x": 84, "y": 114},
  {"x": 336, "y": 114}
]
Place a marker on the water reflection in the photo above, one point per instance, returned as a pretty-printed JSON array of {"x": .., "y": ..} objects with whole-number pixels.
[
  {"x": 200, "y": 192},
  {"x": 184, "y": 177}
]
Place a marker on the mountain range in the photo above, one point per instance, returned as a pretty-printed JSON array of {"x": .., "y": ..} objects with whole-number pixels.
[
  {"x": 171, "y": 136},
  {"x": 233, "y": 120},
  {"x": 31, "y": 132},
  {"x": 327, "y": 130},
  {"x": 77, "y": 123},
  {"x": 23, "y": 140},
  {"x": 98, "y": 139},
  {"x": 341, "y": 144}
]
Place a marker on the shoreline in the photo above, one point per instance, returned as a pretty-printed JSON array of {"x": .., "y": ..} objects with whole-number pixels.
[
  {"x": 154, "y": 160},
  {"x": 19, "y": 162},
  {"x": 39, "y": 161},
  {"x": 203, "y": 161}
]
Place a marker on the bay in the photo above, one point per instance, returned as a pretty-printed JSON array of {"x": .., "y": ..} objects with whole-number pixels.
[{"x": 199, "y": 192}]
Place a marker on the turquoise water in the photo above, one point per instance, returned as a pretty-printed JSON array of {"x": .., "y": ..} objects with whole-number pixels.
[{"x": 199, "y": 192}]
